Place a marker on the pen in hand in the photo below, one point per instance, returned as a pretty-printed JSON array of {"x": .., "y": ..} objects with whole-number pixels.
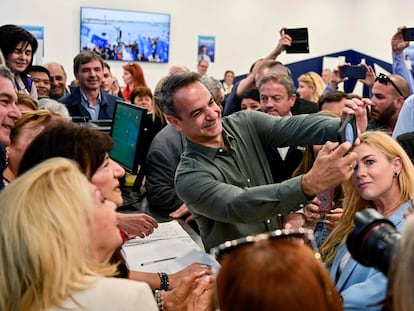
[{"x": 156, "y": 261}]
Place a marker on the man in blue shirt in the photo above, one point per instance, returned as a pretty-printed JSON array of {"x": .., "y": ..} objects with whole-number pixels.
[{"x": 88, "y": 100}]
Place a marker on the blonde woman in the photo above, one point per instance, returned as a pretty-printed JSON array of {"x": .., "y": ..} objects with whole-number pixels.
[
  {"x": 311, "y": 86},
  {"x": 57, "y": 234},
  {"x": 24, "y": 131},
  {"x": 383, "y": 178}
]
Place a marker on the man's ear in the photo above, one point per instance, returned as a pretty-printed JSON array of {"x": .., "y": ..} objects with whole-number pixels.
[
  {"x": 399, "y": 102},
  {"x": 292, "y": 100},
  {"x": 174, "y": 122}
]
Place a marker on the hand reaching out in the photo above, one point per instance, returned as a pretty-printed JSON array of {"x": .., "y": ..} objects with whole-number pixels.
[
  {"x": 182, "y": 212},
  {"x": 136, "y": 224},
  {"x": 397, "y": 41}
]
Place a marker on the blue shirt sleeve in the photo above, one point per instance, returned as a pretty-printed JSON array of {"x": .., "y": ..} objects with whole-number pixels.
[{"x": 400, "y": 68}]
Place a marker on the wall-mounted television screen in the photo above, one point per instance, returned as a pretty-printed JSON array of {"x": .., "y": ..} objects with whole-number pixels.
[{"x": 125, "y": 35}]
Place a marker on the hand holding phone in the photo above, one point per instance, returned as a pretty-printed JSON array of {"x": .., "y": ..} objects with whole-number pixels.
[
  {"x": 300, "y": 40},
  {"x": 325, "y": 198},
  {"x": 408, "y": 34},
  {"x": 353, "y": 72},
  {"x": 348, "y": 130}
]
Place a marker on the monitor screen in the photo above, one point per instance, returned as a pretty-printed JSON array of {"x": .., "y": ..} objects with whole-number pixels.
[
  {"x": 127, "y": 132},
  {"x": 125, "y": 35}
]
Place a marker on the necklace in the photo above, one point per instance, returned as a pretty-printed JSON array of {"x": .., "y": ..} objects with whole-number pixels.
[{"x": 389, "y": 212}]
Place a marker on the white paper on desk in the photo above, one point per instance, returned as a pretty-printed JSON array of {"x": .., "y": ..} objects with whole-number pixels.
[
  {"x": 166, "y": 230},
  {"x": 157, "y": 250},
  {"x": 185, "y": 250},
  {"x": 168, "y": 266}
]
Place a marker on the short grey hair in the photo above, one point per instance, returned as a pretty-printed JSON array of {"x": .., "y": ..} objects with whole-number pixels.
[
  {"x": 164, "y": 96},
  {"x": 6, "y": 72},
  {"x": 282, "y": 79},
  {"x": 213, "y": 85},
  {"x": 54, "y": 107}
]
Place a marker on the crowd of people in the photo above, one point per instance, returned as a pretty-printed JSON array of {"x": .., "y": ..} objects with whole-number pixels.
[{"x": 247, "y": 164}]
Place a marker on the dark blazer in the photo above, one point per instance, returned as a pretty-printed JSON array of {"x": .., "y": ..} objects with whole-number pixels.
[
  {"x": 283, "y": 169},
  {"x": 73, "y": 103},
  {"x": 303, "y": 106}
]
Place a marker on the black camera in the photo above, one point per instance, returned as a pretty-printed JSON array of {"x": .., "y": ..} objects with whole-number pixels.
[{"x": 373, "y": 240}]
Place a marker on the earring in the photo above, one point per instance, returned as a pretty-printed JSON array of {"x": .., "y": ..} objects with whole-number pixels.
[{"x": 395, "y": 174}]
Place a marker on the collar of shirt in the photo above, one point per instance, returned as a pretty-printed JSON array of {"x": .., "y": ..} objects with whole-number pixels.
[
  {"x": 85, "y": 100},
  {"x": 209, "y": 151},
  {"x": 93, "y": 110}
]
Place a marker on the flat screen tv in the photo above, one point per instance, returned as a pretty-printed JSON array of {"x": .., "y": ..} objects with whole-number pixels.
[
  {"x": 125, "y": 35},
  {"x": 127, "y": 133}
]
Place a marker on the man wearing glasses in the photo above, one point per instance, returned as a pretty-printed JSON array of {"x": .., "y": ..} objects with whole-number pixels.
[{"x": 388, "y": 96}]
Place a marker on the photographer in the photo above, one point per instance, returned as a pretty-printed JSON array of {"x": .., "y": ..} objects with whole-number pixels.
[
  {"x": 383, "y": 179},
  {"x": 400, "y": 284}
]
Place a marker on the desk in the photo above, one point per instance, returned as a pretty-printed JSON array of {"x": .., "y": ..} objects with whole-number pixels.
[
  {"x": 172, "y": 247},
  {"x": 193, "y": 235}
]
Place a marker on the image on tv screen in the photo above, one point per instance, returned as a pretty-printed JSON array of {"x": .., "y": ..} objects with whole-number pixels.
[{"x": 125, "y": 35}]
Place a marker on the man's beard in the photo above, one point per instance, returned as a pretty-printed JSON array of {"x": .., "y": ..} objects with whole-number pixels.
[{"x": 385, "y": 118}]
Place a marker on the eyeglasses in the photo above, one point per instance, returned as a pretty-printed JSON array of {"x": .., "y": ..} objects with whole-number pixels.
[
  {"x": 384, "y": 79},
  {"x": 304, "y": 236}
]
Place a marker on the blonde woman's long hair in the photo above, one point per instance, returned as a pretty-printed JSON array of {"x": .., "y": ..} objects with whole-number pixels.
[
  {"x": 45, "y": 216},
  {"x": 353, "y": 203}
]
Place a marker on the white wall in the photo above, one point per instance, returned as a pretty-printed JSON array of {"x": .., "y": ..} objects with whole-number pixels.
[{"x": 244, "y": 29}]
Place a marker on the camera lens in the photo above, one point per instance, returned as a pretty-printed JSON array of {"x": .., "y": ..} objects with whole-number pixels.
[{"x": 373, "y": 240}]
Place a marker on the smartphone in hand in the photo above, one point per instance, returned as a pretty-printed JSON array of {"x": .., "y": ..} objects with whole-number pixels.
[
  {"x": 326, "y": 198},
  {"x": 408, "y": 34},
  {"x": 353, "y": 72},
  {"x": 300, "y": 40},
  {"x": 348, "y": 130}
]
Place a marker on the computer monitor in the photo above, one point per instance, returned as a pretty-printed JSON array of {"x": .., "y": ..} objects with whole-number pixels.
[{"x": 127, "y": 132}]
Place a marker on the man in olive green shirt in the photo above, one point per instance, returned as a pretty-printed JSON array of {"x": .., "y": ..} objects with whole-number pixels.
[{"x": 223, "y": 175}]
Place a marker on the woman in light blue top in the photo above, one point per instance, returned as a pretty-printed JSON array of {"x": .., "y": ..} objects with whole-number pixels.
[{"x": 383, "y": 179}]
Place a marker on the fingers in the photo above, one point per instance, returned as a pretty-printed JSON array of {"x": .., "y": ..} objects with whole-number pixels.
[
  {"x": 189, "y": 219},
  {"x": 180, "y": 212},
  {"x": 196, "y": 269},
  {"x": 357, "y": 107},
  {"x": 312, "y": 212},
  {"x": 334, "y": 217},
  {"x": 150, "y": 221},
  {"x": 330, "y": 169},
  {"x": 342, "y": 151},
  {"x": 202, "y": 296},
  {"x": 328, "y": 147}
]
